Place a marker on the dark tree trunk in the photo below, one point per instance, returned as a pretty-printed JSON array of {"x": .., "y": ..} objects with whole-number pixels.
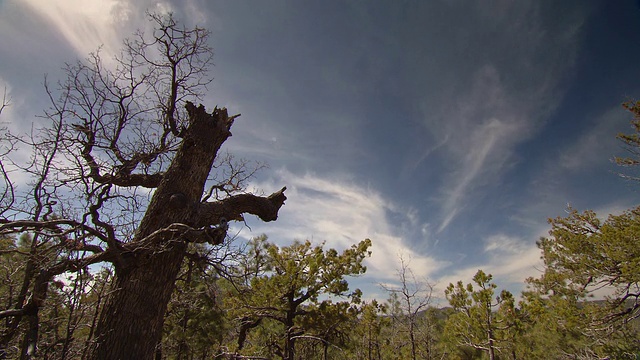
[
  {"x": 130, "y": 326},
  {"x": 131, "y": 323}
]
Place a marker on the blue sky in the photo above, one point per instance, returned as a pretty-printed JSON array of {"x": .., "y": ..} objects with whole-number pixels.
[{"x": 445, "y": 131}]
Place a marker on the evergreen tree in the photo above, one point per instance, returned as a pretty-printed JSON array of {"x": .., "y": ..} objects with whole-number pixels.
[
  {"x": 481, "y": 320},
  {"x": 582, "y": 256},
  {"x": 279, "y": 296}
]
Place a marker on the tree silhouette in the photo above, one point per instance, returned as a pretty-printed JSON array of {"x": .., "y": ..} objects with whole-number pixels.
[{"x": 135, "y": 155}]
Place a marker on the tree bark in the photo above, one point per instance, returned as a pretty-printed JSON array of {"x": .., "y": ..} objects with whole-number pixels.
[{"x": 130, "y": 326}]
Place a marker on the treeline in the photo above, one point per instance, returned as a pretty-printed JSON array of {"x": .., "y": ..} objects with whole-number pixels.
[{"x": 294, "y": 302}]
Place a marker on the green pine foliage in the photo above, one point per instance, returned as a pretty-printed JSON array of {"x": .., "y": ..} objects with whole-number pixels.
[
  {"x": 482, "y": 321},
  {"x": 282, "y": 301}
]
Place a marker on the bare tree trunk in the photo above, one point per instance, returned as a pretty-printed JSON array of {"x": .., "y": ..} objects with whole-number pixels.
[
  {"x": 492, "y": 354},
  {"x": 369, "y": 347},
  {"x": 412, "y": 336},
  {"x": 131, "y": 323},
  {"x": 130, "y": 326}
]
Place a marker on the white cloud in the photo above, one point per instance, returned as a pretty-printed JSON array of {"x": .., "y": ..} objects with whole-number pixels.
[
  {"x": 88, "y": 24},
  {"x": 164, "y": 8},
  {"x": 502, "y": 243},
  {"x": 9, "y": 122},
  {"x": 513, "y": 258},
  {"x": 499, "y": 97},
  {"x": 481, "y": 147},
  {"x": 510, "y": 260},
  {"x": 342, "y": 214},
  {"x": 615, "y": 208},
  {"x": 492, "y": 140},
  {"x": 11, "y": 117}
]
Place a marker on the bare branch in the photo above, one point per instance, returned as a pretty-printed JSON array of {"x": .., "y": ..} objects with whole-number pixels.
[
  {"x": 113, "y": 133},
  {"x": 266, "y": 208},
  {"x": 6, "y": 100}
]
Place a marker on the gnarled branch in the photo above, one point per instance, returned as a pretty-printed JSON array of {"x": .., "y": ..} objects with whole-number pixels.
[{"x": 266, "y": 208}]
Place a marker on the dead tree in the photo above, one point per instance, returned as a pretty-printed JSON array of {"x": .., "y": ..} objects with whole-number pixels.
[
  {"x": 123, "y": 175},
  {"x": 410, "y": 301}
]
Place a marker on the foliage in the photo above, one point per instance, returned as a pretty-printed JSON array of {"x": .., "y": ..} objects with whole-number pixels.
[
  {"x": 481, "y": 320},
  {"x": 631, "y": 141},
  {"x": 195, "y": 324},
  {"x": 555, "y": 327},
  {"x": 366, "y": 337},
  {"x": 584, "y": 256},
  {"x": 67, "y": 323},
  {"x": 280, "y": 293},
  {"x": 412, "y": 328},
  {"x": 589, "y": 255}
]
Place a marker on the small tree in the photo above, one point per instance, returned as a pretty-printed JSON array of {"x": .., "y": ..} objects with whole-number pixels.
[
  {"x": 410, "y": 301},
  {"x": 282, "y": 286},
  {"x": 367, "y": 332},
  {"x": 195, "y": 325},
  {"x": 476, "y": 323}
]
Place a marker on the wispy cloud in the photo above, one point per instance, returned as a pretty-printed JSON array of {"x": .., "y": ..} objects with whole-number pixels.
[
  {"x": 598, "y": 144},
  {"x": 560, "y": 182},
  {"x": 486, "y": 128},
  {"x": 503, "y": 244},
  {"x": 343, "y": 213},
  {"x": 513, "y": 259},
  {"x": 500, "y": 97},
  {"x": 509, "y": 259},
  {"x": 88, "y": 24}
]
